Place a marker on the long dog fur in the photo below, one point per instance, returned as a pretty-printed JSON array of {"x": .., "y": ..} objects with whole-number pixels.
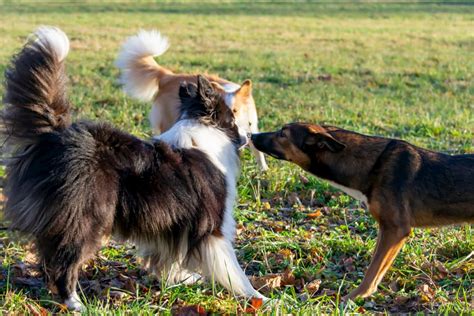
[{"x": 70, "y": 184}]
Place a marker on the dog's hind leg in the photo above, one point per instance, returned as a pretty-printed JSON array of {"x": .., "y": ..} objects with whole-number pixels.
[
  {"x": 219, "y": 263},
  {"x": 62, "y": 260},
  {"x": 389, "y": 242}
]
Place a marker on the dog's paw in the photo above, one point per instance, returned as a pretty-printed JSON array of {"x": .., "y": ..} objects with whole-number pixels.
[
  {"x": 74, "y": 304},
  {"x": 359, "y": 293}
]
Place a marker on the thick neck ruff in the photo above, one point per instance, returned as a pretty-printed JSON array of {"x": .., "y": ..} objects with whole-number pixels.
[{"x": 189, "y": 133}]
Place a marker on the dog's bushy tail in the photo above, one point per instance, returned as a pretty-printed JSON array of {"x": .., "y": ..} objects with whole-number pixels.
[
  {"x": 35, "y": 100},
  {"x": 140, "y": 74},
  {"x": 36, "y": 112}
]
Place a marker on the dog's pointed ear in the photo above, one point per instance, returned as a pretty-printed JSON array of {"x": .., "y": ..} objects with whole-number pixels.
[
  {"x": 323, "y": 140},
  {"x": 217, "y": 86},
  {"x": 187, "y": 90},
  {"x": 245, "y": 89},
  {"x": 204, "y": 86}
]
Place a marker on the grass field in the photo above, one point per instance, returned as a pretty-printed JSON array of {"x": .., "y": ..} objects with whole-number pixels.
[{"x": 398, "y": 70}]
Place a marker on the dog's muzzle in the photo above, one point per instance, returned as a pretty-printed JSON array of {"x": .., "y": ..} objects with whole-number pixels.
[
  {"x": 243, "y": 138},
  {"x": 244, "y": 141}
]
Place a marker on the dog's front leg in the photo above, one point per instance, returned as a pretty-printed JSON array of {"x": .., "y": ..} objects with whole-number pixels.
[{"x": 389, "y": 242}]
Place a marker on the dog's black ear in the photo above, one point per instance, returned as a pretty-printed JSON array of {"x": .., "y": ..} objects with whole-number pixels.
[
  {"x": 204, "y": 87},
  {"x": 187, "y": 90},
  {"x": 323, "y": 140}
]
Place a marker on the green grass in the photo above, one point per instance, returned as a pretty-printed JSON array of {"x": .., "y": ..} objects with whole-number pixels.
[{"x": 396, "y": 70}]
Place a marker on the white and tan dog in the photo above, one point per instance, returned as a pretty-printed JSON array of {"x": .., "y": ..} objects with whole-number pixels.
[{"x": 144, "y": 79}]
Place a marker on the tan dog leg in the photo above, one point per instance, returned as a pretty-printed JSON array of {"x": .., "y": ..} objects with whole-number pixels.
[{"x": 389, "y": 242}]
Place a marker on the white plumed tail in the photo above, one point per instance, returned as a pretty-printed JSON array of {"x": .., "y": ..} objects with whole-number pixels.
[{"x": 140, "y": 73}]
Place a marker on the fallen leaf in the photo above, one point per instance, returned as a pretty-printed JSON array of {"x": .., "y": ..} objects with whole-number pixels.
[
  {"x": 44, "y": 312},
  {"x": 361, "y": 309},
  {"x": 191, "y": 310},
  {"x": 442, "y": 271},
  {"x": 400, "y": 300},
  {"x": 288, "y": 278},
  {"x": 266, "y": 206},
  {"x": 63, "y": 308},
  {"x": 278, "y": 226},
  {"x": 255, "y": 304},
  {"x": 286, "y": 253},
  {"x": 313, "y": 286},
  {"x": 267, "y": 282},
  {"x": 315, "y": 214},
  {"x": 117, "y": 295},
  {"x": 239, "y": 229},
  {"x": 426, "y": 293}
]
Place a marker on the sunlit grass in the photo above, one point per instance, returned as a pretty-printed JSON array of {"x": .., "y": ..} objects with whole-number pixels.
[{"x": 396, "y": 70}]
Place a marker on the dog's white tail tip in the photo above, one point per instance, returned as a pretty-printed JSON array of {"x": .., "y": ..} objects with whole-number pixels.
[
  {"x": 156, "y": 43},
  {"x": 144, "y": 43},
  {"x": 51, "y": 37}
]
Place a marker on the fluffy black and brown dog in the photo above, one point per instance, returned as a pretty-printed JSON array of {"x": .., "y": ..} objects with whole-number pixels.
[{"x": 71, "y": 184}]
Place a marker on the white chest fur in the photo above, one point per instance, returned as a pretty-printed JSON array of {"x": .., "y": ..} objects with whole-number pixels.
[
  {"x": 220, "y": 150},
  {"x": 354, "y": 193}
]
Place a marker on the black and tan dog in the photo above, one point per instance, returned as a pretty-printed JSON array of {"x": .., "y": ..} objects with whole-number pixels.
[{"x": 403, "y": 185}]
